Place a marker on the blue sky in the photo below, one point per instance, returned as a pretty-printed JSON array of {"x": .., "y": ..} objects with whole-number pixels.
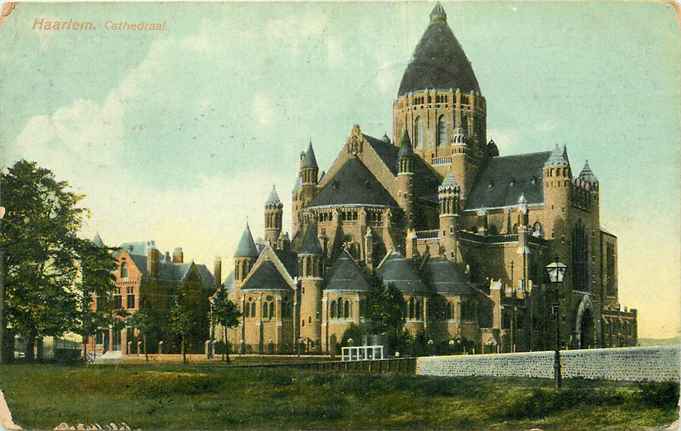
[{"x": 178, "y": 136}]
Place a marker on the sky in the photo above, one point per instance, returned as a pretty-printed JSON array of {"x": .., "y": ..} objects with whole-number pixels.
[{"x": 178, "y": 136}]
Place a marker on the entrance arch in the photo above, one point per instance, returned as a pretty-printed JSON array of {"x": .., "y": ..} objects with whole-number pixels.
[{"x": 584, "y": 325}]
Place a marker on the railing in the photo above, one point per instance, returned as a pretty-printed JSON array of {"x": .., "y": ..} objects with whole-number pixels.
[
  {"x": 441, "y": 160},
  {"x": 427, "y": 234}
]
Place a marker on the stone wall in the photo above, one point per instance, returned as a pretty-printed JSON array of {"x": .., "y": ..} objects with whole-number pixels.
[{"x": 624, "y": 364}]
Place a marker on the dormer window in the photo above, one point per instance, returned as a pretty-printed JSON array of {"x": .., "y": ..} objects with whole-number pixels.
[
  {"x": 490, "y": 186},
  {"x": 512, "y": 182}
]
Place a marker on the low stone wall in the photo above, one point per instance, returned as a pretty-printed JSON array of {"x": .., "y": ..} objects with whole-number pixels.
[{"x": 623, "y": 364}]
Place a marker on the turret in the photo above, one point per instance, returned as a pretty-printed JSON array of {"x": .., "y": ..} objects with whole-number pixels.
[
  {"x": 449, "y": 194},
  {"x": 405, "y": 179},
  {"x": 245, "y": 256},
  {"x": 273, "y": 218},
  {"x": 557, "y": 198},
  {"x": 464, "y": 165},
  {"x": 306, "y": 189},
  {"x": 310, "y": 270}
]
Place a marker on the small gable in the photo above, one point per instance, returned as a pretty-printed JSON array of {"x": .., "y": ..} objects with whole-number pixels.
[
  {"x": 266, "y": 277},
  {"x": 345, "y": 274}
]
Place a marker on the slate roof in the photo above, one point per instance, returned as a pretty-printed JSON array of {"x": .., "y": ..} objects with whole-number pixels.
[
  {"x": 587, "y": 174},
  {"x": 266, "y": 277},
  {"x": 310, "y": 241},
  {"x": 558, "y": 157},
  {"x": 449, "y": 183},
  {"x": 289, "y": 259},
  {"x": 346, "y": 275},
  {"x": 97, "y": 240},
  {"x": 405, "y": 146},
  {"x": 297, "y": 185},
  {"x": 504, "y": 179},
  {"x": 309, "y": 159},
  {"x": 446, "y": 277},
  {"x": 174, "y": 271},
  {"x": 273, "y": 198},
  {"x": 353, "y": 184},
  {"x": 386, "y": 151},
  {"x": 398, "y": 270},
  {"x": 228, "y": 284},
  {"x": 138, "y": 247},
  {"x": 438, "y": 62},
  {"x": 246, "y": 247}
]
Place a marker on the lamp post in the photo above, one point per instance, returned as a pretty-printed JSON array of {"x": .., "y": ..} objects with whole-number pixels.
[{"x": 556, "y": 273}]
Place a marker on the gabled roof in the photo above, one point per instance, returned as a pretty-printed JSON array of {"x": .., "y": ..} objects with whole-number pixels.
[
  {"x": 265, "y": 277},
  {"x": 177, "y": 272},
  {"x": 345, "y": 274},
  {"x": 504, "y": 179},
  {"x": 446, "y": 277},
  {"x": 353, "y": 184},
  {"x": 438, "y": 62},
  {"x": 206, "y": 276},
  {"x": 310, "y": 241},
  {"x": 289, "y": 259},
  {"x": 386, "y": 151},
  {"x": 396, "y": 269},
  {"x": 138, "y": 247},
  {"x": 246, "y": 247}
]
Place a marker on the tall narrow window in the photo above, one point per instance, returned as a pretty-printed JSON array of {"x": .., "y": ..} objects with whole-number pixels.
[
  {"x": 131, "y": 298},
  {"x": 334, "y": 310},
  {"x": 118, "y": 302},
  {"x": 418, "y": 310},
  {"x": 124, "y": 269},
  {"x": 271, "y": 310},
  {"x": 252, "y": 309},
  {"x": 418, "y": 132},
  {"x": 441, "y": 131},
  {"x": 347, "y": 310}
]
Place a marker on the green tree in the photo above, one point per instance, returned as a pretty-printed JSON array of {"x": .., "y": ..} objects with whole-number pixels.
[
  {"x": 41, "y": 245},
  {"x": 145, "y": 321},
  {"x": 181, "y": 324},
  {"x": 385, "y": 308},
  {"x": 225, "y": 313},
  {"x": 97, "y": 285}
]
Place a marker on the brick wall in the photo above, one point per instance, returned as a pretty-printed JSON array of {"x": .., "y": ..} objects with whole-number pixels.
[{"x": 624, "y": 364}]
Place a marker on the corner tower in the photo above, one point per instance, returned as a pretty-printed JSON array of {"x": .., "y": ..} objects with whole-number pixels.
[
  {"x": 244, "y": 258},
  {"x": 305, "y": 189},
  {"x": 438, "y": 94},
  {"x": 310, "y": 269}
]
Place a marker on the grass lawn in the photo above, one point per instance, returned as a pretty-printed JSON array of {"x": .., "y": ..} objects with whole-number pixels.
[{"x": 157, "y": 397}]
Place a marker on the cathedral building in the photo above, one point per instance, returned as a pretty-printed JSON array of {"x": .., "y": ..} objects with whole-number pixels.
[{"x": 462, "y": 231}]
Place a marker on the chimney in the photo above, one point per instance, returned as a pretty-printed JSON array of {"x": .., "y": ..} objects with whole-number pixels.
[
  {"x": 153, "y": 261},
  {"x": 217, "y": 271},
  {"x": 178, "y": 255},
  {"x": 167, "y": 257}
]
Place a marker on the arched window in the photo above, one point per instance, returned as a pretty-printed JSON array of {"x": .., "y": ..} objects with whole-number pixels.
[
  {"x": 580, "y": 257},
  {"x": 411, "y": 308},
  {"x": 247, "y": 310},
  {"x": 340, "y": 307},
  {"x": 252, "y": 309},
  {"x": 441, "y": 131},
  {"x": 537, "y": 230},
  {"x": 334, "y": 310},
  {"x": 347, "y": 310},
  {"x": 418, "y": 310},
  {"x": 265, "y": 311},
  {"x": 418, "y": 132},
  {"x": 450, "y": 313},
  {"x": 271, "y": 310},
  {"x": 124, "y": 269}
]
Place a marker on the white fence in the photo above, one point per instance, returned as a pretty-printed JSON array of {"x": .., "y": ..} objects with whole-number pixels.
[{"x": 361, "y": 353}]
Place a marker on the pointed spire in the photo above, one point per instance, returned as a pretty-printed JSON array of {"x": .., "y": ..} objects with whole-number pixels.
[
  {"x": 558, "y": 157},
  {"x": 246, "y": 247},
  {"x": 273, "y": 199},
  {"x": 587, "y": 174},
  {"x": 438, "y": 14},
  {"x": 405, "y": 146},
  {"x": 97, "y": 240},
  {"x": 309, "y": 160},
  {"x": 311, "y": 242}
]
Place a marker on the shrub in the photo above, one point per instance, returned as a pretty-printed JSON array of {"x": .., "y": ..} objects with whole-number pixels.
[
  {"x": 659, "y": 394},
  {"x": 542, "y": 402}
]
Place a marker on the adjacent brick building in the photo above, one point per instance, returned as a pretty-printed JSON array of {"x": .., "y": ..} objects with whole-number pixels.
[
  {"x": 144, "y": 276},
  {"x": 462, "y": 231}
]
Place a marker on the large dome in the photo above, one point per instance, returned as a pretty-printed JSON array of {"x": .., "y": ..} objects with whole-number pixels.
[{"x": 439, "y": 61}]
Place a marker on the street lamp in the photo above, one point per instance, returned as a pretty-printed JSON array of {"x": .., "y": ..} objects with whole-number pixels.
[{"x": 556, "y": 273}]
